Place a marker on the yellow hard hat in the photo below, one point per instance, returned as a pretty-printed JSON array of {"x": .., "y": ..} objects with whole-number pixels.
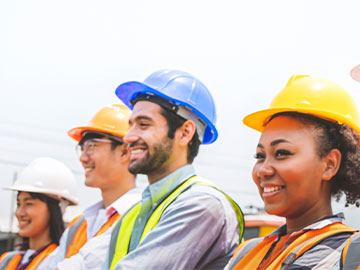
[
  {"x": 310, "y": 95},
  {"x": 112, "y": 119}
]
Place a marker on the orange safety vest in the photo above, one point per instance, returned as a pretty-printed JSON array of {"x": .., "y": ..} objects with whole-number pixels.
[
  {"x": 77, "y": 235},
  {"x": 250, "y": 254},
  {"x": 13, "y": 259}
]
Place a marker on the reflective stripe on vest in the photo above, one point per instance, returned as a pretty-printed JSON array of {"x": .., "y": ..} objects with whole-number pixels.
[
  {"x": 77, "y": 235},
  {"x": 121, "y": 233},
  {"x": 11, "y": 261},
  {"x": 350, "y": 256},
  {"x": 251, "y": 259}
]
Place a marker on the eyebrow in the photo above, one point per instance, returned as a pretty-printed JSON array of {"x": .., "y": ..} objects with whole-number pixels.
[
  {"x": 274, "y": 143},
  {"x": 141, "y": 117},
  {"x": 26, "y": 199}
]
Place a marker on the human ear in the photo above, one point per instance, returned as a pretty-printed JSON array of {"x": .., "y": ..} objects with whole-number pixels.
[
  {"x": 332, "y": 162},
  {"x": 186, "y": 132}
]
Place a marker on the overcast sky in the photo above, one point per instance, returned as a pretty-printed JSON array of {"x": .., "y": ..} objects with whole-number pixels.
[{"x": 60, "y": 62}]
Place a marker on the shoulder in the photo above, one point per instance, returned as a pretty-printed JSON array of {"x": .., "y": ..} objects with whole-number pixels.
[
  {"x": 202, "y": 203},
  {"x": 324, "y": 254},
  {"x": 7, "y": 257}
]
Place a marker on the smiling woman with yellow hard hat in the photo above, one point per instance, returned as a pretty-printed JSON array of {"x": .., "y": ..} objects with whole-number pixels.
[{"x": 308, "y": 152}]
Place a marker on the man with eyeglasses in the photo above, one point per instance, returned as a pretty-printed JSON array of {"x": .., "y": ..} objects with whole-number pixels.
[{"x": 105, "y": 159}]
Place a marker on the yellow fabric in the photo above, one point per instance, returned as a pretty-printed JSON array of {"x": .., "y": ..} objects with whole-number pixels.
[
  {"x": 122, "y": 243},
  {"x": 128, "y": 220}
]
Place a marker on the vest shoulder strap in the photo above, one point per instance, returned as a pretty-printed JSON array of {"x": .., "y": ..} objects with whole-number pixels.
[
  {"x": 41, "y": 256},
  {"x": 10, "y": 259},
  {"x": 120, "y": 236},
  {"x": 351, "y": 253},
  {"x": 74, "y": 230},
  {"x": 156, "y": 215},
  {"x": 246, "y": 247},
  {"x": 309, "y": 244},
  {"x": 295, "y": 249}
]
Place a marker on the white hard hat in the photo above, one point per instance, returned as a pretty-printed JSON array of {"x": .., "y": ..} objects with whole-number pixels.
[{"x": 50, "y": 177}]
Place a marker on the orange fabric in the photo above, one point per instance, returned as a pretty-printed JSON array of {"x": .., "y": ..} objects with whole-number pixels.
[
  {"x": 115, "y": 217},
  {"x": 78, "y": 241},
  {"x": 279, "y": 247},
  {"x": 74, "y": 220},
  {"x": 254, "y": 257},
  {"x": 40, "y": 257},
  {"x": 15, "y": 261},
  {"x": 80, "y": 238}
]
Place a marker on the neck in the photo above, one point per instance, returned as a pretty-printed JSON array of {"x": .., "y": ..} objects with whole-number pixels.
[
  {"x": 307, "y": 218},
  {"x": 163, "y": 172},
  {"x": 177, "y": 160},
  {"x": 114, "y": 192},
  {"x": 39, "y": 241}
]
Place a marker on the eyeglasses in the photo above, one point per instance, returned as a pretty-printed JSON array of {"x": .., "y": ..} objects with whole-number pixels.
[{"x": 88, "y": 146}]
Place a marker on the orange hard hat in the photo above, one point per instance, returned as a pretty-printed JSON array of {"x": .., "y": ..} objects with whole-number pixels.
[{"x": 112, "y": 119}]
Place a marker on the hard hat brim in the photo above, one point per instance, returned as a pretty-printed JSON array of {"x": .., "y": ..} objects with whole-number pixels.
[
  {"x": 259, "y": 119},
  {"x": 77, "y": 133},
  {"x": 128, "y": 91},
  {"x": 25, "y": 188}
]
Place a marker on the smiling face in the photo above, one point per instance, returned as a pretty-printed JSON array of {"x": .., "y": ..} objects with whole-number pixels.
[
  {"x": 33, "y": 216},
  {"x": 101, "y": 163},
  {"x": 288, "y": 171},
  {"x": 151, "y": 148}
]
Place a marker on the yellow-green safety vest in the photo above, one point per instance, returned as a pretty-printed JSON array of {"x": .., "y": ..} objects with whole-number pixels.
[{"x": 121, "y": 233}]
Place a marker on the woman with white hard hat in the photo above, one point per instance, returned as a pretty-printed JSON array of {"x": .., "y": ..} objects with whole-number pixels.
[
  {"x": 44, "y": 189},
  {"x": 308, "y": 152}
]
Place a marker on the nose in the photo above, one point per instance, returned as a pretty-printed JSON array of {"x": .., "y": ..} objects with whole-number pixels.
[
  {"x": 131, "y": 136},
  {"x": 84, "y": 157},
  {"x": 19, "y": 212},
  {"x": 264, "y": 169}
]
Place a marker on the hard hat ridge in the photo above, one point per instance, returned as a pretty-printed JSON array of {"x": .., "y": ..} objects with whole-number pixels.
[
  {"x": 310, "y": 95},
  {"x": 111, "y": 119},
  {"x": 185, "y": 91},
  {"x": 50, "y": 177}
]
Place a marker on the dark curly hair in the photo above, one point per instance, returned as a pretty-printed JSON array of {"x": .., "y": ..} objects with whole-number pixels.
[{"x": 331, "y": 135}]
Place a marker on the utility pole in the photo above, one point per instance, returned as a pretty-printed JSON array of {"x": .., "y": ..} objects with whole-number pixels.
[{"x": 11, "y": 238}]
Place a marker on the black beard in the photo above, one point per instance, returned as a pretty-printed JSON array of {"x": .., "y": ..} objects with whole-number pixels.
[{"x": 149, "y": 164}]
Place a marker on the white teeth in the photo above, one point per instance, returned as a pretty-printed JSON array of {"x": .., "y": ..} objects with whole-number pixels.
[
  {"x": 272, "y": 189},
  {"x": 137, "y": 151},
  {"x": 88, "y": 169}
]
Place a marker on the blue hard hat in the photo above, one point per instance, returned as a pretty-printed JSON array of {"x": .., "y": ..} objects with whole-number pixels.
[{"x": 180, "y": 88}]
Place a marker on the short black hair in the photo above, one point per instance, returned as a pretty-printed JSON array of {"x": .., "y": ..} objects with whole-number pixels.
[{"x": 174, "y": 122}]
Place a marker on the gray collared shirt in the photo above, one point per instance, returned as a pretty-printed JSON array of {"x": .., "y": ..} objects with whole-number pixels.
[{"x": 198, "y": 230}]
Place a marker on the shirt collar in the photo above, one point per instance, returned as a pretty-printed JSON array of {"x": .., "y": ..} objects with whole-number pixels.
[
  {"x": 315, "y": 226},
  {"x": 121, "y": 205},
  {"x": 160, "y": 189}
]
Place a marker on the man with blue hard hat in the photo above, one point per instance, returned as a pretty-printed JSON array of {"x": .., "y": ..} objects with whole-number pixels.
[{"x": 183, "y": 221}]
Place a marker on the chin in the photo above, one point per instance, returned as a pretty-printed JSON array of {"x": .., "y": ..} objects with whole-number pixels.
[{"x": 273, "y": 210}]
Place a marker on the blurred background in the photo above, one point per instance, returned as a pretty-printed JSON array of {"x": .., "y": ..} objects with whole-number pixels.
[{"x": 60, "y": 62}]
